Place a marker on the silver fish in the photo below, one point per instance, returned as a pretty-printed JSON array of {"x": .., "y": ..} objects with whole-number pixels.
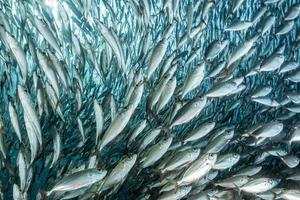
[{"x": 78, "y": 180}]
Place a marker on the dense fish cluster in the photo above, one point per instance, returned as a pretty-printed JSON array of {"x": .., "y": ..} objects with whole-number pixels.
[{"x": 144, "y": 99}]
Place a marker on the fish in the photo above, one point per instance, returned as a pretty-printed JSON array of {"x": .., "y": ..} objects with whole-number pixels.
[
  {"x": 259, "y": 14},
  {"x": 289, "y": 194},
  {"x": 242, "y": 50},
  {"x": 249, "y": 171},
  {"x": 189, "y": 111},
  {"x": 238, "y": 26},
  {"x": 166, "y": 94},
  {"x": 288, "y": 66},
  {"x": 17, "y": 51},
  {"x": 236, "y": 5},
  {"x": 142, "y": 100},
  {"x": 226, "y": 161},
  {"x": 216, "y": 144},
  {"x": 267, "y": 24},
  {"x": 114, "y": 43},
  {"x": 269, "y": 130},
  {"x": 292, "y": 13},
  {"x": 290, "y": 160},
  {"x": 192, "y": 173},
  {"x": 215, "y": 48},
  {"x": 176, "y": 194},
  {"x": 272, "y": 63},
  {"x": 199, "y": 132},
  {"x": 117, "y": 125},
  {"x": 234, "y": 181},
  {"x": 285, "y": 28},
  {"x": 22, "y": 170},
  {"x": 56, "y": 147},
  {"x": 119, "y": 173},
  {"x": 260, "y": 185},
  {"x": 99, "y": 119},
  {"x": 78, "y": 180},
  {"x": 43, "y": 28},
  {"x": 294, "y": 177},
  {"x": 221, "y": 89},
  {"x": 180, "y": 159},
  {"x": 139, "y": 129},
  {"x": 261, "y": 92},
  {"x": 14, "y": 120},
  {"x": 193, "y": 80},
  {"x": 156, "y": 152},
  {"x": 157, "y": 55},
  {"x": 149, "y": 137}
]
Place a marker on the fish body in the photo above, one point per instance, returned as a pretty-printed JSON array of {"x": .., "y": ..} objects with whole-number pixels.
[
  {"x": 189, "y": 111},
  {"x": 142, "y": 99},
  {"x": 192, "y": 173},
  {"x": 78, "y": 180},
  {"x": 260, "y": 185}
]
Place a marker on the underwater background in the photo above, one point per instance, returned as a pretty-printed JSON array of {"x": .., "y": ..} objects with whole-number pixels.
[{"x": 149, "y": 99}]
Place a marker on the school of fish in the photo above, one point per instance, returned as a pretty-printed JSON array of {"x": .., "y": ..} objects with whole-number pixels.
[{"x": 149, "y": 99}]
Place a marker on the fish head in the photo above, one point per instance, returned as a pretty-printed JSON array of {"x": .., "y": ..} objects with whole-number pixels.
[
  {"x": 1, "y": 121},
  {"x": 272, "y": 182},
  {"x": 243, "y": 180},
  {"x": 212, "y": 174},
  {"x": 229, "y": 134},
  {"x": 97, "y": 174},
  {"x": 212, "y": 157},
  {"x": 236, "y": 156},
  {"x": 128, "y": 108},
  {"x": 255, "y": 38},
  {"x": 186, "y": 188},
  {"x": 167, "y": 140},
  {"x": 195, "y": 150},
  {"x": 212, "y": 191},
  {"x": 225, "y": 42},
  {"x": 131, "y": 157},
  {"x": 199, "y": 100}
]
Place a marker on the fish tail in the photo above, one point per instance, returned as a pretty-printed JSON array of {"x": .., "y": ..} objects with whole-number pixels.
[
  {"x": 179, "y": 98},
  {"x": 230, "y": 16},
  {"x": 203, "y": 21},
  {"x": 140, "y": 170},
  {"x": 148, "y": 120},
  {"x": 166, "y": 128},
  {"x": 273, "y": 36},
  {"x": 45, "y": 194},
  {"x": 213, "y": 1},
  {"x": 97, "y": 152},
  {"x": 238, "y": 189},
  {"x": 275, "y": 195},
  {"x": 176, "y": 183},
  {"x": 289, "y": 144}
]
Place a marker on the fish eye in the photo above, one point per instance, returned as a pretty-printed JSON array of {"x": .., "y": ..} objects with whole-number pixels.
[
  {"x": 211, "y": 157},
  {"x": 235, "y": 155},
  {"x": 186, "y": 187},
  {"x": 270, "y": 181}
]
